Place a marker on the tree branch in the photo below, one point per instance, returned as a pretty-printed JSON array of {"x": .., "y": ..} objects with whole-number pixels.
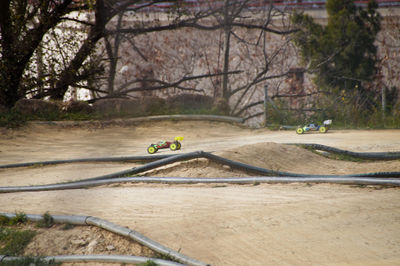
[{"x": 175, "y": 84}]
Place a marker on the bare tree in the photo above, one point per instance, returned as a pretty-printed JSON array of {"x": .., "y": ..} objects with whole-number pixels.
[
  {"x": 241, "y": 79},
  {"x": 388, "y": 78},
  {"x": 257, "y": 55},
  {"x": 23, "y": 25}
]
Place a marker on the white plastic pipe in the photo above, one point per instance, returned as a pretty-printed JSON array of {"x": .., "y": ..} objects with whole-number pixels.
[
  {"x": 132, "y": 234},
  {"x": 98, "y": 258}
]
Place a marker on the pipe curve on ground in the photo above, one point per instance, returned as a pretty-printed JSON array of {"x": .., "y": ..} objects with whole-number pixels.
[
  {"x": 226, "y": 180},
  {"x": 360, "y": 155},
  {"x": 129, "y": 233},
  {"x": 144, "y": 158},
  {"x": 200, "y": 154}
]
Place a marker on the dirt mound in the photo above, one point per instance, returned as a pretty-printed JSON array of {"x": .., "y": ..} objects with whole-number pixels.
[
  {"x": 81, "y": 240},
  {"x": 277, "y": 157}
]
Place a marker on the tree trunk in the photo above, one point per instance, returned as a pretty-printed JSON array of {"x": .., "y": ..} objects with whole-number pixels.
[
  {"x": 227, "y": 34},
  {"x": 69, "y": 75},
  {"x": 10, "y": 79}
]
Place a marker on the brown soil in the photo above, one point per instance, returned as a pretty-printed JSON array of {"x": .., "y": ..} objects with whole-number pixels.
[
  {"x": 80, "y": 240},
  {"x": 218, "y": 224}
]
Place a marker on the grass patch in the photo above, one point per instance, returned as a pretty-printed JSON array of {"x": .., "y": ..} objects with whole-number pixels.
[
  {"x": 344, "y": 157},
  {"x": 148, "y": 263},
  {"x": 166, "y": 256},
  {"x": 79, "y": 116},
  {"x": 12, "y": 119},
  {"x": 14, "y": 241},
  {"x": 334, "y": 156},
  {"x": 4, "y": 220}
]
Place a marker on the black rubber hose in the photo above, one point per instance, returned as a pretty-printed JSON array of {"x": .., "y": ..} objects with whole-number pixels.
[
  {"x": 117, "y": 229},
  {"x": 150, "y": 166},
  {"x": 247, "y": 167},
  {"x": 85, "y": 160},
  {"x": 259, "y": 170},
  {"x": 165, "y": 159},
  {"x": 360, "y": 155},
  {"x": 188, "y": 156},
  {"x": 227, "y": 180},
  {"x": 168, "y": 159},
  {"x": 233, "y": 164}
]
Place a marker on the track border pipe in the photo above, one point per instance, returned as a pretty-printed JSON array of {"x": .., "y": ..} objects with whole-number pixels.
[
  {"x": 231, "y": 163},
  {"x": 141, "y": 158},
  {"x": 227, "y": 180},
  {"x": 117, "y": 229},
  {"x": 360, "y": 155},
  {"x": 260, "y": 170},
  {"x": 151, "y": 165},
  {"x": 86, "y": 160},
  {"x": 180, "y": 157},
  {"x": 98, "y": 258}
]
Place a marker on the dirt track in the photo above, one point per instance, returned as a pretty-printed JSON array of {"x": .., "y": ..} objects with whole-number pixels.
[{"x": 221, "y": 225}]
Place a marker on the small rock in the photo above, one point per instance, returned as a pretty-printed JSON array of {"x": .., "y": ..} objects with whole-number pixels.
[
  {"x": 110, "y": 247},
  {"x": 79, "y": 242},
  {"x": 227, "y": 167},
  {"x": 91, "y": 246}
]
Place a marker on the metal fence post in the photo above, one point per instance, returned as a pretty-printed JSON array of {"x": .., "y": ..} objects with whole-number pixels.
[
  {"x": 265, "y": 104},
  {"x": 383, "y": 103}
]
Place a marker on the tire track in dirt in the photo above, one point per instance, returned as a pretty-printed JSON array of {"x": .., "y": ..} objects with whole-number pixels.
[{"x": 221, "y": 225}]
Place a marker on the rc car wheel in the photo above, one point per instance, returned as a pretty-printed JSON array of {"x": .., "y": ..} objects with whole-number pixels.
[
  {"x": 300, "y": 130},
  {"x": 152, "y": 149},
  {"x": 179, "y": 145},
  {"x": 323, "y": 129},
  {"x": 173, "y": 146}
]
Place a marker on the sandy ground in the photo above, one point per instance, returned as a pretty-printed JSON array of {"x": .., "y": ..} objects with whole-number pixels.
[
  {"x": 293, "y": 224},
  {"x": 77, "y": 240}
]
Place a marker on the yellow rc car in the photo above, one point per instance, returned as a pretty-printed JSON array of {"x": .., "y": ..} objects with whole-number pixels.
[
  {"x": 172, "y": 145},
  {"x": 314, "y": 127}
]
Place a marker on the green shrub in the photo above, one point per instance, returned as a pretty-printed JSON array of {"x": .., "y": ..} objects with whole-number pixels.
[
  {"x": 67, "y": 226},
  {"x": 46, "y": 222},
  {"x": 12, "y": 119},
  {"x": 13, "y": 242},
  {"x": 20, "y": 218},
  {"x": 4, "y": 220}
]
